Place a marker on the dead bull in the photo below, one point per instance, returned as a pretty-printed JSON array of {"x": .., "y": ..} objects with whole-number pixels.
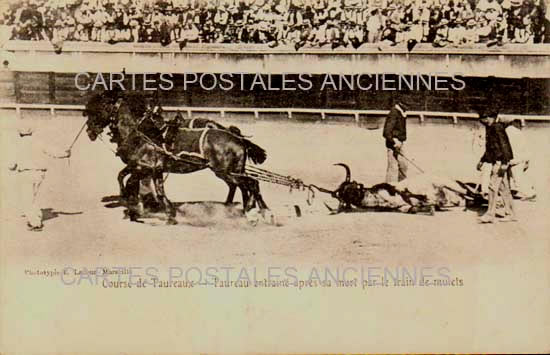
[{"x": 422, "y": 194}]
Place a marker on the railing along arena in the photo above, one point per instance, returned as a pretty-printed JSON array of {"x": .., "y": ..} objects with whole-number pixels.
[{"x": 421, "y": 115}]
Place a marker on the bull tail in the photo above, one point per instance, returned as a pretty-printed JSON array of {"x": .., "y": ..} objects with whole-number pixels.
[{"x": 255, "y": 153}]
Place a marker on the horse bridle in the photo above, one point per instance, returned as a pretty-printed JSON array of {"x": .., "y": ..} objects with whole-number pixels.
[{"x": 135, "y": 127}]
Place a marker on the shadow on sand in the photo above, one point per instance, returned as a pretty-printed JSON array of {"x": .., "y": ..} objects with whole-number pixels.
[{"x": 49, "y": 213}]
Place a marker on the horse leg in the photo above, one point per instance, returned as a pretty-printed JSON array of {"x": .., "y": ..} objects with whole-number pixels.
[
  {"x": 132, "y": 185},
  {"x": 254, "y": 187},
  {"x": 167, "y": 204},
  {"x": 231, "y": 194},
  {"x": 251, "y": 194},
  {"x": 242, "y": 183},
  {"x": 246, "y": 196},
  {"x": 135, "y": 201},
  {"x": 121, "y": 175},
  {"x": 153, "y": 188},
  {"x": 250, "y": 203}
]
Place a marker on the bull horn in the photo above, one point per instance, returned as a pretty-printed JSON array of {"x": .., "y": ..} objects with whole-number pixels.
[{"x": 348, "y": 171}]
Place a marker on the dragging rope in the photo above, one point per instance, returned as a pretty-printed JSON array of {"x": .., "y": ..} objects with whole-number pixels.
[
  {"x": 274, "y": 178},
  {"x": 278, "y": 179}
]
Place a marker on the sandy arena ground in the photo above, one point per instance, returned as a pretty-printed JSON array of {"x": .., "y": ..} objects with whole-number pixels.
[{"x": 80, "y": 228}]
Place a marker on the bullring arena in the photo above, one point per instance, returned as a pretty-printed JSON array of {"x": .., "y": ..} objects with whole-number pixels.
[{"x": 85, "y": 224}]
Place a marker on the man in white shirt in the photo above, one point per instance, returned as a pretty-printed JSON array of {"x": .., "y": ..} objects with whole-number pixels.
[
  {"x": 30, "y": 160},
  {"x": 521, "y": 185}
]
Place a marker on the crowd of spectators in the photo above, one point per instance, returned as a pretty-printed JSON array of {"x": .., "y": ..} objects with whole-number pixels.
[{"x": 300, "y": 23}]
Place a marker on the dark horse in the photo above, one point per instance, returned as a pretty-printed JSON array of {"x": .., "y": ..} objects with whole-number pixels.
[
  {"x": 143, "y": 146},
  {"x": 194, "y": 123}
]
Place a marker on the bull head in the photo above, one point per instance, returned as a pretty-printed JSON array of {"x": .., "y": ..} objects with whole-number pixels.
[{"x": 349, "y": 192}]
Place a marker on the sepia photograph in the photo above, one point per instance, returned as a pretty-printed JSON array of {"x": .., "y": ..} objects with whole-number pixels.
[{"x": 274, "y": 176}]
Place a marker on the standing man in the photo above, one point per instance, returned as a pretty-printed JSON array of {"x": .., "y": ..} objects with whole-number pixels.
[
  {"x": 498, "y": 153},
  {"x": 395, "y": 134},
  {"x": 520, "y": 183},
  {"x": 31, "y": 164}
]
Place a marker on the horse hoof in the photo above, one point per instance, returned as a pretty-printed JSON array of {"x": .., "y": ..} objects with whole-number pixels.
[
  {"x": 135, "y": 220},
  {"x": 134, "y": 216}
]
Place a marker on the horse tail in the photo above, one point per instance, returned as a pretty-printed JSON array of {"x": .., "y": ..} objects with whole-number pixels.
[{"x": 255, "y": 153}]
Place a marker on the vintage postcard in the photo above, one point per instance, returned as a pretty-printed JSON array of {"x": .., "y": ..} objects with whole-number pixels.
[{"x": 274, "y": 176}]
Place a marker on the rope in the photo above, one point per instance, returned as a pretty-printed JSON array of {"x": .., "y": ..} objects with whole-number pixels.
[
  {"x": 68, "y": 151},
  {"x": 259, "y": 170},
  {"x": 269, "y": 176},
  {"x": 76, "y": 138},
  {"x": 275, "y": 178}
]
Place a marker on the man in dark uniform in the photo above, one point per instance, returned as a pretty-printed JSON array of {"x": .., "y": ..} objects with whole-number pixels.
[
  {"x": 498, "y": 153},
  {"x": 395, "y": 134}
]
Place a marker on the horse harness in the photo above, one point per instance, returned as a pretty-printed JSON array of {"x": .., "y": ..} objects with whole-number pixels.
[{"x": 167, "y": 131}]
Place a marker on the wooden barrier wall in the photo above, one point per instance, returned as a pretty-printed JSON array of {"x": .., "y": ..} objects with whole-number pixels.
[{"x": 514, "y": 96}]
